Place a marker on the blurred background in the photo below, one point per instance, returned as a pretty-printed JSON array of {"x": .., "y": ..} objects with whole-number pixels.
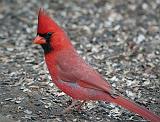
[{"x": 119, "y": 38}]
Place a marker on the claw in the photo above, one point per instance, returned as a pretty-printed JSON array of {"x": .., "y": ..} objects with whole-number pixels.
[
  {"x": 78, "y": 107},
  {"x": 74, "y": 103},
  {"x": 70, "y": 107}
]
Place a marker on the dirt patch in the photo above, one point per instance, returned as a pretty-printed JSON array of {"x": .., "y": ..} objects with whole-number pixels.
[{"x": 119, "y": 39}]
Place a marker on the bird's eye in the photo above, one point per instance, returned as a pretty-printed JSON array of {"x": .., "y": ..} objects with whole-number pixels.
[{"x": 47, "y": 36}]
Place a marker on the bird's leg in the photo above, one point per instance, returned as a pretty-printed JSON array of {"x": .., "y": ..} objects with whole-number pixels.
[
  {"x": 70, "y": 107},
  {"x": 79, "y": 106}
]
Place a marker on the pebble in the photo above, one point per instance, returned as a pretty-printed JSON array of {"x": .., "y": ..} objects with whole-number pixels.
[
  {"x": 18, "y": 101},
  {"x": 145, "y": 83},
  {"x": 130, "y": 94},
  {"x": 140, "y": 39},
  {"x": 99, "y": 30},
  {"x": 27, "y": 111},
  {"x": 48, "y": 105},
  {"x": 114, "y": 78},
  {"x": 8, "y": 99}
]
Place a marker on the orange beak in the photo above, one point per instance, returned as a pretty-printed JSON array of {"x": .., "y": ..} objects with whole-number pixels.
[{"x": 39, "y": 40}]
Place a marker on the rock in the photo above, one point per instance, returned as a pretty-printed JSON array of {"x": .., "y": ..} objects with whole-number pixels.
[
  {"x": 27, "y": 111},
  {"x": 5, "y": 119}
]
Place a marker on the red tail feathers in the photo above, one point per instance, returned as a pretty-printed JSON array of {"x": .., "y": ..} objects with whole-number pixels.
[{"x": 133, "y": 107}]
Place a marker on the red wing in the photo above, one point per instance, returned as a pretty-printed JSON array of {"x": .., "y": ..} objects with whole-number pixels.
[
  {"x": 86, "y": 85},
  {"x": 72, "y": 68}
]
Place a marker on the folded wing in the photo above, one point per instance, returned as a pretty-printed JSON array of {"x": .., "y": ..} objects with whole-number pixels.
[{"x": 72, "y": 68}]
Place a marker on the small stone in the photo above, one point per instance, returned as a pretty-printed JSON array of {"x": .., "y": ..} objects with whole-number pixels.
[
  {"x": 145, "y": 83},
  {"x": 26, "y": 90},
  {"x": 47, "y": 105},
  {"x": 34, "y": 87},
  {"x": 144, "y": 6},
  {"x": 8, "y": 99},
  {"x": 153, "y": 29},
  {"x": 51, "y": 84},
  {"x": 87, "y": 29},
  {"x": 115, "y": 111},
  {"x": 130, "y": 94},
  {"x": 129, "y": 82},
  {"x": 112, "y": 105},
  {"x": 140, "y": 39},
  {"x": 1, "y": 16},
  {"x": 27, "y": 111},
  {"x": 10, "y": 49},
  {"x": 114, "y": 78},
  {"x": 27, "y": 117},
  {"x": 61, "y": 94},
  {"x": 75, "y": 120},
  {"x": 20, "y": 107},
  {"x": 117, "y": 27},
  {"x": 18, "y": 101}
]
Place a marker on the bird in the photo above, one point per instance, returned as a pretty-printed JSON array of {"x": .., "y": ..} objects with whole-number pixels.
[{"x": 73, "y": 75}]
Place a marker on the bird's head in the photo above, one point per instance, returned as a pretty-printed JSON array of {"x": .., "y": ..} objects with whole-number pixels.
[{"x": 49, "y": 34}]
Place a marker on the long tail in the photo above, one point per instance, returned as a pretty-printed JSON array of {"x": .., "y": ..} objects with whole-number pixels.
[{"x": 133, "y": 107}]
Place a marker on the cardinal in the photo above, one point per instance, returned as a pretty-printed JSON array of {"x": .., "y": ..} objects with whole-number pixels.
[{"x": 73, "y": 75}]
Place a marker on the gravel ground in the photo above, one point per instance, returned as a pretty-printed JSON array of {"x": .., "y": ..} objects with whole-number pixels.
[{"x": 120, "y": 39}]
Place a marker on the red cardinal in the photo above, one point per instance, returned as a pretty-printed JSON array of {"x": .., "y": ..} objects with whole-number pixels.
[{"x": 72, "y": 74}]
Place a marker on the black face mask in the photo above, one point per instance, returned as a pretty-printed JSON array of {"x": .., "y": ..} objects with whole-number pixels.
[{"x": 46, "y": 47}]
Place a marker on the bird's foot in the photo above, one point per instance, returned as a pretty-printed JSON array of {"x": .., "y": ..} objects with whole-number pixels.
[
  {"x": 78, "y": 107},
  {"x": 70, "y": 107},
  {"x": 74, "y": 103}
]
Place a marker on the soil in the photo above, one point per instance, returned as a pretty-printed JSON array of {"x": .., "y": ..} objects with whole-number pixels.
[{"x": 119, "y": 39}]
